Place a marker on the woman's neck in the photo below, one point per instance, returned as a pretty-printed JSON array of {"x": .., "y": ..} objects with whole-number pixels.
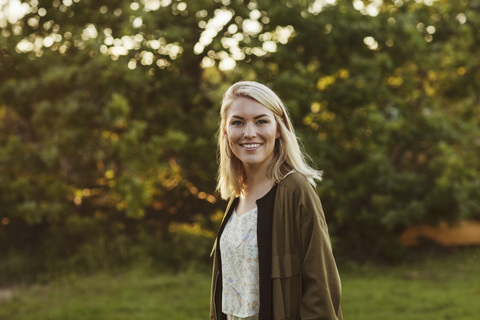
[{"x": 257, "y": 186}]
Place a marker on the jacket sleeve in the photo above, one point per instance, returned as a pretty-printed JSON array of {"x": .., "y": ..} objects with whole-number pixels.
[{"x": 321, "y": 286}]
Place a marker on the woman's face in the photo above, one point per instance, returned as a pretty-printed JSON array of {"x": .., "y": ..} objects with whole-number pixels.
[{"x": 251, "y": 132}]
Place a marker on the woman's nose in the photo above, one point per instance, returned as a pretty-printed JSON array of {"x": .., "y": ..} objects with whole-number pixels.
[{"x": 250, "y": 131}]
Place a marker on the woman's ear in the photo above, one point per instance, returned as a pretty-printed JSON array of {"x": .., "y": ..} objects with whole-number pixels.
[{"x": 279, "y": 132}]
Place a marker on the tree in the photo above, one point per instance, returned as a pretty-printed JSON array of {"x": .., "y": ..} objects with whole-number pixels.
[
  {"x": 104, "y": 108},
  {"x": 109, "y": 112}
]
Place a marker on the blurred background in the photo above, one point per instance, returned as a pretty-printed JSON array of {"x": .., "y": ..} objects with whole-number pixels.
[{"x": 109, "y": 112}]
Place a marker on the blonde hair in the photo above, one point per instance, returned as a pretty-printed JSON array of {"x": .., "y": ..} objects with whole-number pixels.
[{"x": 288, "y": 155}]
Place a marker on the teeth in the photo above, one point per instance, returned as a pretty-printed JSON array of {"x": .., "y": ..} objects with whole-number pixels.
[{"x": 250, "y": 146}]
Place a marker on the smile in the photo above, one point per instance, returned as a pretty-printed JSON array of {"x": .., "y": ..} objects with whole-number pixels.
[{"x": 251, "y": 145}]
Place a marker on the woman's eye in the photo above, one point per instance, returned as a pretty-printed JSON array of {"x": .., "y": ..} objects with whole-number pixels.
[
  {"x": 237, "y": 123},
  {"x": 262, "y": 121}
]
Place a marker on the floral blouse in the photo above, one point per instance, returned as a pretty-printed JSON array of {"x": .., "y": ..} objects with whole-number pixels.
[{"x": 239, "y": 256}]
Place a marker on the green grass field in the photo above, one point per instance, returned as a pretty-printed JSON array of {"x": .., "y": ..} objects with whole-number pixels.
[{"x": 444, "y": 287}]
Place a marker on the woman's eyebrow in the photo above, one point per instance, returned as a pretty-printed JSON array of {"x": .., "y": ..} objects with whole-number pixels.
[{"x": 256, "y": 117}]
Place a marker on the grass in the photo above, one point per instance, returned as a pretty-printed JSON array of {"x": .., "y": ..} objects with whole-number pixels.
[
  {"x": 130, "y": 295},
  {"x": 443, "y": 287},
  {"x": 440, "y": 288}
]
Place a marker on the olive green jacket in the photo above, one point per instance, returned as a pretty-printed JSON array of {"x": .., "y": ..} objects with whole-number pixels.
[{"x": 301, "y": 280}]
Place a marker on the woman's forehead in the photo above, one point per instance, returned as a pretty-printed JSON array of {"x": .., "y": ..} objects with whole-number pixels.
[{"x": 246, "y": 107}]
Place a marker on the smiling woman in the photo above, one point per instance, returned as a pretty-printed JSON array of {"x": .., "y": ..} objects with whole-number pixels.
[
  {"x": 272, "y": 257},
  {"x": 251, "y": 133},
  {"x": 287, "y": 156}
]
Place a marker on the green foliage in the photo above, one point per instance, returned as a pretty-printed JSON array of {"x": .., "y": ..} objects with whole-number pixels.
[{"x": 109, "y": 112}]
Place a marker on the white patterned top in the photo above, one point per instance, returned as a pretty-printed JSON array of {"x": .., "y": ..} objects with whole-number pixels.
[{"x": 239, "y": 256}]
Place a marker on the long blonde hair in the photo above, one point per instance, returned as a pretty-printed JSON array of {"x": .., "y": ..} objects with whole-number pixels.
[{"x": 288, "y": 155}]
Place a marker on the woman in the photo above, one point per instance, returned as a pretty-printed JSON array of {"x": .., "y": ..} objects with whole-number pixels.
[{"x": 272, "y": 257}]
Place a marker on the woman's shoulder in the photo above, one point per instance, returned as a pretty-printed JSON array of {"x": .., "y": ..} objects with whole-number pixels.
[
  {"x": 296, "y": 189},
  {"x": 296, "y": 183},
  {"x": 295, "y": 179}
]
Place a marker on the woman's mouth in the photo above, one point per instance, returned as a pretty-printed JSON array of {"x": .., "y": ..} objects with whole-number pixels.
[{"x": 251, "y": 146}]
